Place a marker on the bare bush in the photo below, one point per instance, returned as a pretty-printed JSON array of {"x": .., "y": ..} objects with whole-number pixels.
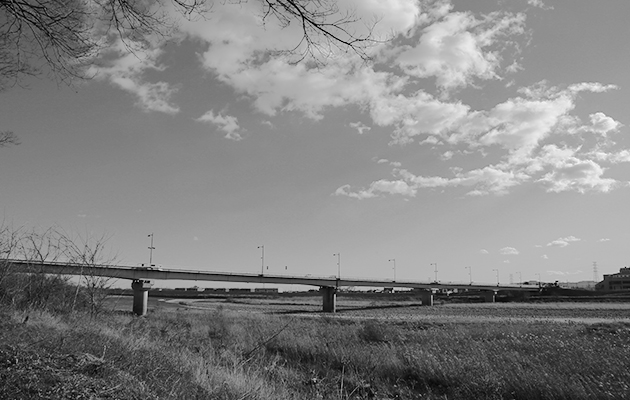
[{"x": 36, "y": 289}]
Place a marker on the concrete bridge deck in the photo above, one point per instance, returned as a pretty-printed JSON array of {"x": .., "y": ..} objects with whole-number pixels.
[{"x": 141, "y": 277}]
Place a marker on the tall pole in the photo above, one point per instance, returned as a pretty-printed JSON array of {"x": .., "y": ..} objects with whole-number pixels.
[
  {"x": 394, "y": 260},
  {"x": 520, "y": 279},
  {"x": 470, "y": 273},
  {"x": 436, "y": 271},
  {"x": 262, "y": 258},
  {"x": 151, "y": 248},
  {"x": 497, "y": 271},
  {"x": 538, "y": 279},
  {"x": 338, "y": 264}
]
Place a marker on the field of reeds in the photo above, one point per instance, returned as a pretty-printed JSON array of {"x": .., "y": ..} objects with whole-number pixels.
[{"x": 236, "y": 350}]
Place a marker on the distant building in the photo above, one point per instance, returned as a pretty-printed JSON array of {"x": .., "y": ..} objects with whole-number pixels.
[
  {"x": 582, "y": 285},
  {"x": 240, "y": 290},
  {"x": 266, "y": 290},
  {"x": 618, "y": 281}
]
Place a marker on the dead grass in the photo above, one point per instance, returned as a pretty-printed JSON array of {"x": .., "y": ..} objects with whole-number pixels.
[{"x": 236, "y": 355}]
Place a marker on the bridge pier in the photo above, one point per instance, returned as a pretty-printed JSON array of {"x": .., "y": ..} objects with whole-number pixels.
[
  {"x": 140, "y": 296},
  {"x": 427, "y": 297},
  {"x": 490, "y": 296},
  {"x": 329, "y": 296}
]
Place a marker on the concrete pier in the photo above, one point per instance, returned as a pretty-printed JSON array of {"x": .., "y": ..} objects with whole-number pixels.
[
  {"x": 490, "y": 297},
  {"x": 427, "y": 297},
  {"x": 329, "y": 295},
  {"x": 140, "y": 296}
]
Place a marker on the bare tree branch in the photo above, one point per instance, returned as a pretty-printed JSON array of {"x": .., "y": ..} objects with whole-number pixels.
[
  {"x": 63, "y": 37},
  {"x": 8, "y": 138}
]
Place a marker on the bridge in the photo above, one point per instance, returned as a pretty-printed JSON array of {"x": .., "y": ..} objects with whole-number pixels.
[{"x": 141, "y": 280}]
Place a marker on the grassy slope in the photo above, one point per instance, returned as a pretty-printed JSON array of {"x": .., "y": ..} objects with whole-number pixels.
[{"x": 236, "y": 355}]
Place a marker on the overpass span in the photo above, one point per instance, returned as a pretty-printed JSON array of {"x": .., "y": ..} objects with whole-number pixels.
[{"x": 141, "y": 277}]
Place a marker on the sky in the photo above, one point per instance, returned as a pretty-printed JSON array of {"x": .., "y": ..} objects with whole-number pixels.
[{"x": 490, "y": 138}]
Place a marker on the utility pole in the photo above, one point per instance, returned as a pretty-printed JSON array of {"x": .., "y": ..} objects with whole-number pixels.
[
  {"x": 470, "y": 273},
  {"x": 595, "y": 274}
]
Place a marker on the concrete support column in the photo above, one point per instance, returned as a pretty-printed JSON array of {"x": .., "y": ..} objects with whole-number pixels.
[
  {"x": 490, "y": 296},
  {"x": 140, "y": 296},
  {"x": 329, "y": 296},
  {"x": 427, "y": 297}
]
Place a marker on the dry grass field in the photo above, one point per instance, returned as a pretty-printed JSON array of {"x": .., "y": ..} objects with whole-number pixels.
[{"x": 253, "y": 348}]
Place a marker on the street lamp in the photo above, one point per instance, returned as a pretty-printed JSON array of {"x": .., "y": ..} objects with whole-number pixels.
[
  {"x": 436, "y": 271},
  {"x": 497, "y": 271},
  {"x": 262, "y": 257},
  {"x": 151, "y": 248},
  {"x": 470, "y": 273},
  {"x": 394, "y": 260},
  {"x": 338, "y": 264}
]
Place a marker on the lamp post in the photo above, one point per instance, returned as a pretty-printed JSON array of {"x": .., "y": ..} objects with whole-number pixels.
[
  {"x": 394, "y": 260},
  {"x": 497, "y": 271},
  {"x": 537, "y": 274},
  {"x": 262, "y": 257},
  {"x": 151, "y": 248},
  {"x": 470, "y": 273},
  {"x": 338, "y": 255},
  {"x": 436, "y": 271}
]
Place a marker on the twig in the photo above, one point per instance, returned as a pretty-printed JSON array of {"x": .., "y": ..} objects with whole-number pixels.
[
  {"x": 343, "y": 369},
  {"x": 259, "y": 345}
]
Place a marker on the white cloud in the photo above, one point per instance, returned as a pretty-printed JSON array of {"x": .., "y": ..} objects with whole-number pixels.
[
  {"x": 603, "y": 124},
  {"x": 520, "y": 126},
  {"x": 360, "y": 127},
  {"x": 433, "y": 44},
  {"x": 578, "y": 175},
  {"x": 561, "y": 273},
  {"x": 226, "y": 123},
  {"x": 612, "y": 157},
  {"x": 563, "y": 241},
  {"x": 378, "y": 188},
  {"x": 430, "y": 140},
  {"x": 544, "y": 257},
  {"x": 484, "y": 251},
  {"x": 447, "y": 155},
  {"x": 594, "y": 87},
  {"x": 508, "y": 251},
  {"x": 485, "y": 181},
  {"x": 456, "y": 49},
  {"x": 604, "y": 240},
  {"x": 127, "y": 70}
]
